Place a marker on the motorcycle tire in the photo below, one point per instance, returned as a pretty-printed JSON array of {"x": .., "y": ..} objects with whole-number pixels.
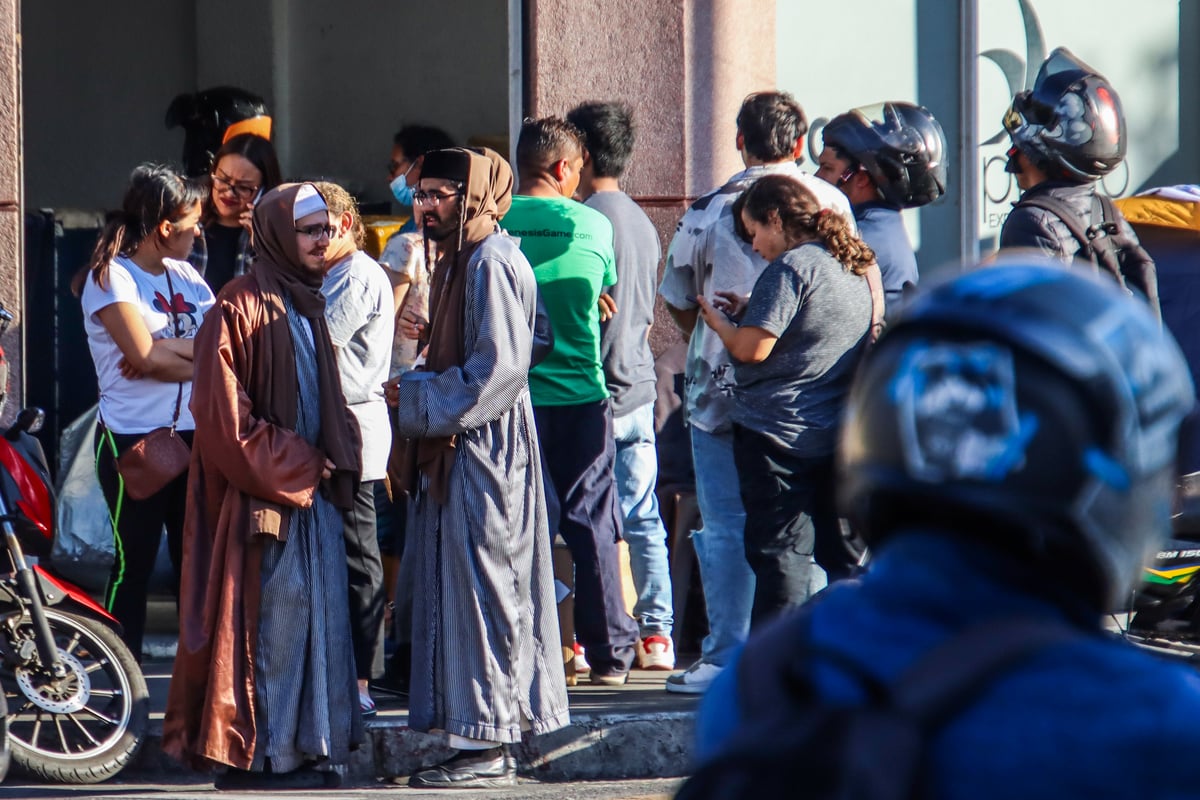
[
  {"x": 5, "y": 753},
  {"x": 88, "y": 727}
]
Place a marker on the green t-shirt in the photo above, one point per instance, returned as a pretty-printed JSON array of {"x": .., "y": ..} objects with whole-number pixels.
[{"x": 571, "y": 249}]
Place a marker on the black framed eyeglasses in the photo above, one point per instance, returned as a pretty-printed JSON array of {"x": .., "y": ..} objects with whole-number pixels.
[
  {"x": 435, "y": 199},
  {"x": 245, "y": 191},
  {"x": 316, "y": 230}
]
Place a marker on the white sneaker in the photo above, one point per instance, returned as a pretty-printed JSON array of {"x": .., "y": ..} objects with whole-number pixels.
[
  {"x": 656, "y": 652},
  {"x": 695, "y": 680},
  {"x": 581, "y": 664}
]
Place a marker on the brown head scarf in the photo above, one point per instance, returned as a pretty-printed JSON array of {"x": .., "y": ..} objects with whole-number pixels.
[
  {"x": 278, "y": 270},
  {"x": 487, "y": 183}
]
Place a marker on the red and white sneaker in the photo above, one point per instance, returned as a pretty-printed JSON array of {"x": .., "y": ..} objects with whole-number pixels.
[
  {"x": 656, "y": 652},
  {"x": 581, "y": 664}
]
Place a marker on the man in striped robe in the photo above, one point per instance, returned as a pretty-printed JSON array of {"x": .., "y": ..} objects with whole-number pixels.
[{"x": 486, "y": 660}]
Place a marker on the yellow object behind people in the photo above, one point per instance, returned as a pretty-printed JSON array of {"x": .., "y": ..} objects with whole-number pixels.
[
  {"x": 1161, "y": 211},
  {"x": 379, "y": 229}
]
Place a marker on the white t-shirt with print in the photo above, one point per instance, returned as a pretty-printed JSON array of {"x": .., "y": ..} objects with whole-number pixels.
[{"x": 141, "y": 405}]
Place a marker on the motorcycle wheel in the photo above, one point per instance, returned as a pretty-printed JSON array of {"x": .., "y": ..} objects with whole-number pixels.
[
  {"x": 87, "y": 726},
  {"x": 5, "y": 753}
]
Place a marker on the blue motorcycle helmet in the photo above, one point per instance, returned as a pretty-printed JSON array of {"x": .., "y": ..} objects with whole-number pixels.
[{"x": 1030, "y": 405}]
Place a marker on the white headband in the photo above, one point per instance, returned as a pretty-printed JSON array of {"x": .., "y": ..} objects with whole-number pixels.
[{"x": 308, "y": 201}]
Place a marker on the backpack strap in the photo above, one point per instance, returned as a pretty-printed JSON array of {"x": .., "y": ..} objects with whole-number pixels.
[
  {"x": 1065, "y": 213},
  {"x": 955, "y": 672},
  {"x": 1096, "y": 240}
]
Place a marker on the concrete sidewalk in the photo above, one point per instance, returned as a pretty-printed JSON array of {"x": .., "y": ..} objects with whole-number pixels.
[{"x": 634, "y": 731}]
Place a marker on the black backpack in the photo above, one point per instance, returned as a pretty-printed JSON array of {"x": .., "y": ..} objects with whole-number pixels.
[
  {"x": 795, "y": 745},
  {"x": 1106, "y": 244}
]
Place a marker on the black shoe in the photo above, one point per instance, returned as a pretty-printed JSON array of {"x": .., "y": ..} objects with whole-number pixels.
[
  {"x": 469, "y": 769},
  {"x": 242, "y": 780}
]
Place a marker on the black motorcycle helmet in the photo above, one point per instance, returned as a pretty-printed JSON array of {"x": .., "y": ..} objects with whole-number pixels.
[
  {"x": 1028, "y": 405},
  {"x": 1071, "y": 123},
  {"x": 901, "y": 146},
  {"x": 204, "y": 116}
]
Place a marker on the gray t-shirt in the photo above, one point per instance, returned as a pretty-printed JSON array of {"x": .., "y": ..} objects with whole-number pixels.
[
  {"x": 361, "y": 316},
  {"x": 821, "y": 313},
  {"x": 625, "y": 339}
]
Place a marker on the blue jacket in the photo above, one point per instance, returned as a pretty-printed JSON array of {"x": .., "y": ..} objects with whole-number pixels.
[
  {"x": 882, "y": 228},
  {"x": 1090, "y": 718}
]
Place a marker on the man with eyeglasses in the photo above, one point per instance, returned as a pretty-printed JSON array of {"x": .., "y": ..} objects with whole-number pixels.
[
  {"x": 264, "y": 680},
  {"x": 571, "y": 249},
  {"x": 486, "y": 663}
]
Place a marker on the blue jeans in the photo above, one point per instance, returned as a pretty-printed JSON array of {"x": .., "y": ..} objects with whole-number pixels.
[
  {"x": 636, "y": 473},
  {"x": 720, "y": 547}
]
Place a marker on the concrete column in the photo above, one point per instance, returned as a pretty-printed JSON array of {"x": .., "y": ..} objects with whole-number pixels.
[
  {"x": 684, "y": 66},
  {"x": 12, "y": 279}
]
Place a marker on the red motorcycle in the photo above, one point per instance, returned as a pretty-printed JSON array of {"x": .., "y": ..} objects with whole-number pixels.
[{"x": 78, "y": 706}]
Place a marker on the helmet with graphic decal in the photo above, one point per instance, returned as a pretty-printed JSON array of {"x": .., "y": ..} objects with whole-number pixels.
[
  {"x": 900, "y": 145},
  {"x": 994, "y": 410},
  {"x": 1070, "y": 124}
]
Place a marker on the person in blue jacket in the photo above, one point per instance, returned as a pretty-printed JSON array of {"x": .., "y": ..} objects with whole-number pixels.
[
  {"x": 885, "y": 158},
  {"x": 1006, "y": 454}
]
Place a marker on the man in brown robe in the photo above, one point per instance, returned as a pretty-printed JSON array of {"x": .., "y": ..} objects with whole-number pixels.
[{"x": 262, "y": 614}]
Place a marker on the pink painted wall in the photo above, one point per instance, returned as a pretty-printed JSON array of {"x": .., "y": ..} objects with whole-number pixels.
[{"x": 684, "y": 66}]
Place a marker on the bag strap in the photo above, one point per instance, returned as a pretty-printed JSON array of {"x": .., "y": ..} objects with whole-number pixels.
[
  {"x": 1066, "y": 215},
  {"x": 1095, "y": 240},
  {"x": 955, "y": 672},
  {"x": 175, "y": 323}
]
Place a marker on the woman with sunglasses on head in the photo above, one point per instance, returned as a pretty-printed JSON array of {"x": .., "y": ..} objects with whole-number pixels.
[
  {"x": 795, "y": 343},
  {"x": 142, "y": 304},
  {"x": 243, "y": 170}
]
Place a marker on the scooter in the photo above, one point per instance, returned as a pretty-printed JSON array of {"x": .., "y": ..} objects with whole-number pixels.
[
  {"x": 78, "y": 706},
  {"x": 1164, "y": 613}
]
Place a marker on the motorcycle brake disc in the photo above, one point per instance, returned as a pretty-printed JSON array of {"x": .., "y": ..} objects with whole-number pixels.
[{"x": 65, "y": 695}]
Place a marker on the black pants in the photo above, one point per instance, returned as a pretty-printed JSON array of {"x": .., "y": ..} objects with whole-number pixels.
[
  {"x": 365, "y": 570},
  {"x": 578, "y": 452},
  {"x": 137, "y": 532},
  {"x": 791, "y": 520}
]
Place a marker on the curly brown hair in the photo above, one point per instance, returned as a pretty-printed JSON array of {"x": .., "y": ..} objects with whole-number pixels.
[
  {"x": 803, "y": 219},
  {"x": 339, "y": 201}
]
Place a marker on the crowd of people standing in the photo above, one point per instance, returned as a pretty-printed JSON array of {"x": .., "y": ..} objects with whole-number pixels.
[{"x": 484, "y": 386}]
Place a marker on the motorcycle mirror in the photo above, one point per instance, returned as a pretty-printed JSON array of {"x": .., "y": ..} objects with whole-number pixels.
[{"x": 30, "y": 420}]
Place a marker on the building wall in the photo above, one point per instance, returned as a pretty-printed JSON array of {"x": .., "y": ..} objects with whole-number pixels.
[
  {"x": 684, "y": 66},
  {"x": 339, "y": 81},
  {"x": 11, "y": 275}
]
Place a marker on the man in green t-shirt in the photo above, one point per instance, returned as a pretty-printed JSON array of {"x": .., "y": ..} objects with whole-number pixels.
[{"x": 571, "y": 249}]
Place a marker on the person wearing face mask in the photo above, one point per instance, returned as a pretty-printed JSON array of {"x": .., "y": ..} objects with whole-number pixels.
[
  {"x": 142, "y": 303},
  {"x": 404, "y": 254}
]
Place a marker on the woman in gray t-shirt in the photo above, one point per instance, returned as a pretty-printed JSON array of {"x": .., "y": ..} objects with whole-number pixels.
[{"x": 796, "y": 344}]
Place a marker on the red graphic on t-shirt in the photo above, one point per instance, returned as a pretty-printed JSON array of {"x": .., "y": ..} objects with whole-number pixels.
[{"x": 183, "y": 313}]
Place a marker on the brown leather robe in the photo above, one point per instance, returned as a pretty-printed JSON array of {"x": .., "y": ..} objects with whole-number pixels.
[{"x": 249, "y": 468}]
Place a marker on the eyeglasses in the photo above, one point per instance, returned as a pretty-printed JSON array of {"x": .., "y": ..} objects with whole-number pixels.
[
  {"x": 433, "y": 198},
  {"x": 245, "y": 191},
  {"x": 317, "y": 230}
]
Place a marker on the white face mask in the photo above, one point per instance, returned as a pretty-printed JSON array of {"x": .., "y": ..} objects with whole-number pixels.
[{"x": 400, "y": 188}]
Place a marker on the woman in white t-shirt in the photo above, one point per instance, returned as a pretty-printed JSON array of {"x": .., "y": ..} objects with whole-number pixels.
[{"x": 142, "y": 304}]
